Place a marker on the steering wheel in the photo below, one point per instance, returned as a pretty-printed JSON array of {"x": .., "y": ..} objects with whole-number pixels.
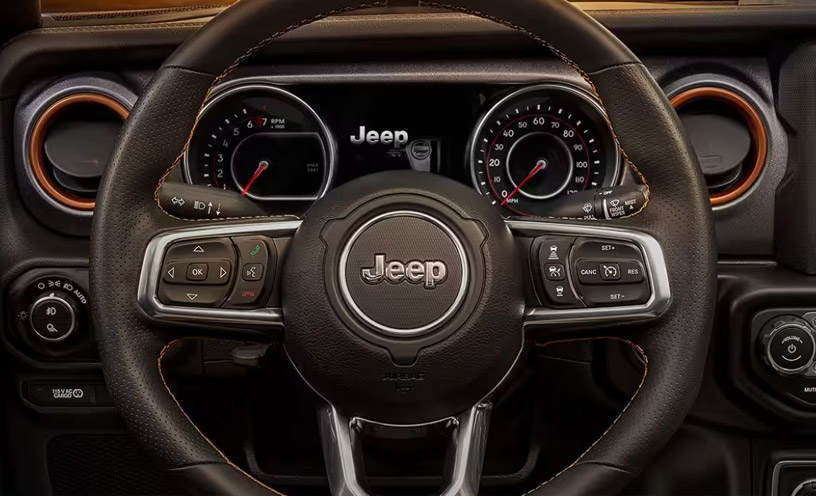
[{"x": 402, "y": 277}]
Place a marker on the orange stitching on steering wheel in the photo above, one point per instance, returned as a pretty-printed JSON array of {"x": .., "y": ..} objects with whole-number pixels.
[
  {"x": 263, "y": 43},
  {"x": 229, "y": 462},
  {"x": 643, "y": 356}
]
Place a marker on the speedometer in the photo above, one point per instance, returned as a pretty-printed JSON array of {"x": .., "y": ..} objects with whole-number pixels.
[
  {"x": 263, "y": 142},
  {"x": 541, "y": 143}
]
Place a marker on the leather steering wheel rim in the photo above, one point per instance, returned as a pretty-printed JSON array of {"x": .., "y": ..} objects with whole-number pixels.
[{"x": 678, "y": 215}]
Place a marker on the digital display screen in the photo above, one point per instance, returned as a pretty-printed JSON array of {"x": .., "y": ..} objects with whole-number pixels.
[{"x": 395, "y": 127}]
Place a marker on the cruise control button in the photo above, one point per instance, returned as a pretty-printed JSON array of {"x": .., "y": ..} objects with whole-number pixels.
[
  {"x": 192, "y": 295},
  {"x": 618, "y": 294},
  {"x": 197, "y": 272},
  {"x": 609, "y": 271},
  {"x": 631, "y": 272},
  {"x": 607, "y": 251},
  {"x": 588, "y": 272}
]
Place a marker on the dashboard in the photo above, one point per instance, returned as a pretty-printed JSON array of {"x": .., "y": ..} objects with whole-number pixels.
[{"x": 487, "y": 110}]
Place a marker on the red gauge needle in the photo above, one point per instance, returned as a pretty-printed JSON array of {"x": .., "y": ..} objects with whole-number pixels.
[
  {"x": 539, "y": 165},
  {"x": 262, "y": 166}
]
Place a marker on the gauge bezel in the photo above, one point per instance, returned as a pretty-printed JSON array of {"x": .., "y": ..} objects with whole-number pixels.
[
  {"x": 252, "y": 84},
  {"x": 556, "y": 86}
]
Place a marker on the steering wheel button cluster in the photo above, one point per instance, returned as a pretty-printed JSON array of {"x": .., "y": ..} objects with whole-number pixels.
[
  {"x": 594, "y": 272},
  {"x": 257, "y": 261},
  {"x": 200, "y": 273},
  {"x": 617, "y": 272},
  {"x": 551, "y": 257}
]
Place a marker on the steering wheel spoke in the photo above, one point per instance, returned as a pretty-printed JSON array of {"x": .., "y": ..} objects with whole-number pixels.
[
  {"x": 594, "y": 275},
  {"x": 342, "y": 441},
  {"x": 220, "y": 278}
]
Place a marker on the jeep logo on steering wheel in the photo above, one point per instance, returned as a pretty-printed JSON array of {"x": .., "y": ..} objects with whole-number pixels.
[{"x": 430, "y": 272}]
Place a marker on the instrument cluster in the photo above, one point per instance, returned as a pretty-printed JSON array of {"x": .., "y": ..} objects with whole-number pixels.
[{"x": 284, "y": 147}]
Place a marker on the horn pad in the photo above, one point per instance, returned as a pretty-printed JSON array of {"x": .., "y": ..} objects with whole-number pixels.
[{"x": 402, "y": 293}]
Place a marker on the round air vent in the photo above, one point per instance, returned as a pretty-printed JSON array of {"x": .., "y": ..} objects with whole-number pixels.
[
  {"x": 70, "y": 145},
  {"x": 728, "y": 136}
]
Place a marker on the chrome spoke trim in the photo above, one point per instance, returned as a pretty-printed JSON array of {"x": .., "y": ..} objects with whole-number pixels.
[
  {"x": 152, "y": 267},
  {"x": 655, "y": 265},
  {"x": 343, "y": 454}
]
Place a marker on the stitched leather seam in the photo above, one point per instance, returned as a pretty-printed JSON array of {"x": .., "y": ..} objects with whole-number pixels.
[
  {"x": 162, "y": 354},
  {"x": 579, "y": 460},
  {"x": 263, "y": 43},
  {"x": 619, "y": 468}
]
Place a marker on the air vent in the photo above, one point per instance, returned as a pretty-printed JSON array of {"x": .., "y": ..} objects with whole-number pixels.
[
  {"x": 70, "y": 145},
  {"x": 728, "y": 136}
]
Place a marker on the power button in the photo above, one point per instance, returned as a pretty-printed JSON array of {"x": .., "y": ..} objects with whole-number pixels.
[{"x": 790, "y": 346}]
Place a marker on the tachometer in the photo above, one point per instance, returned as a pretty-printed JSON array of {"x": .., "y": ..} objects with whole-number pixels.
[
  {"x": 263, "y": 142},
  {"x": 540, "y": 143}
]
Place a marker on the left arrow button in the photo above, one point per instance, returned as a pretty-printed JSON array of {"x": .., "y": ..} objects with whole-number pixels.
[{"x": 174, "y": 272}]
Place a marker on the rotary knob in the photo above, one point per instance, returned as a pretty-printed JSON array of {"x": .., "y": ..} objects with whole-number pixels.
[
  {"x": 789, "y": 346},
  {"x": 53, "y": 316}
]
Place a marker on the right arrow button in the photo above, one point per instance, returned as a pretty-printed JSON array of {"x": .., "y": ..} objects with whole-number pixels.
[{"x": 220, "y": 272}]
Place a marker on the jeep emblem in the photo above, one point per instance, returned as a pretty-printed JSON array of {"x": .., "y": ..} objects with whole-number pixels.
[
  {"x": 397, "y": 138},
  {"x": 430, "y": 272}
]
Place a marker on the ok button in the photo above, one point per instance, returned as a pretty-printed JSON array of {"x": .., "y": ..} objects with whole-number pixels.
[{"x": 197, "y": 272}]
